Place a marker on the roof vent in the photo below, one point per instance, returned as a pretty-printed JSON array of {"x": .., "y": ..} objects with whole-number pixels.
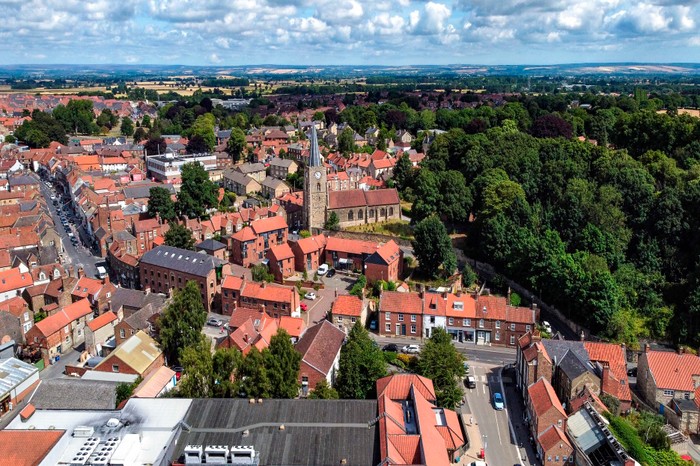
[
  {"x": 282, "y": 427},
  {"x": 113, "y": 422}
]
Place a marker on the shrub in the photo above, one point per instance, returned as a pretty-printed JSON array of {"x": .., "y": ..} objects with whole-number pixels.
[{"x": 404, "y": 358}]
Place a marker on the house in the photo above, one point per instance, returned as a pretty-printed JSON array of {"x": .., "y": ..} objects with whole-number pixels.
[
  {"x": 139, "y": 355},
  {"x": 98, "y": 331},
  {"x": 281, "y": 261},
  {"x": 554, "y": 448},
  {"x": 27, "y": 447},
  {"x": 13, "y": 282},
  {"x": 543, "y": 410},
  {"x": 347, "y": 310},
  {"x": 17, "y": 381},
  {"x": 412, "y": 429},
  {"x": 573, "y": 375},
  {"x": 60, "y": 331},
  {"x": 143, "y": 319},
  {"x": 611, "y": 363},
  {"x": 276, "y": 300},
  {"x": 97, "y": 292},
  {"x": 250, "y": 244},
  {"x": 294, "y": 326},
  {"x": 281, "y": 168},
  {"x": 274, "y": 187},
  {"x": 532, "y": 362},
  {"x": 213, "y": 248},
  {"x": 670, "y": 382},
  {"x": 249, "y": 328},
  {"x": 320, "y": 355},
  {"x": 156, "y": 384},
  {"x": 400, "y": 314},
  {"x": 386, "y": 263},
  {"x": 254, "y": 170},
  {"x": 166, "y": 268},
  {"x": 240, "y": 183},
  {"x": 18, "y": 308},
  {"x": 308, "y": 253}
]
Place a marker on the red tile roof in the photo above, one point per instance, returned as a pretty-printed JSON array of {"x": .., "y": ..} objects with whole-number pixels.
[
  {"x": 246, "y": 234},
  {"x": 395, "y": 301},
  {"x": 68, "y": 314},
  {"x": 543, "y": 398},
  {"x": 495, "y": 307},
  {"x": 347, "y": 305},
  {"x": 232, "y": 282},
  {"x": 99, "y": 322},
  {"x": 281, "y": 251},
  {"x": 398, "y": 387},
  {"x": 27, "y": 447},
  {"x": 520, "y": 315},
  {"x": 552, "y": 437},
  {"x": 350, "y": 246},
  {"x": 614, "y": 357},
  {"x": 673, "y": 371},
  {"x": 294, "y": 326},
  {"x": 265, "y": 225},
  {"x": 389, "y": 252},
  {"x": 13, "y": 279},
  {"x": 320, "y": 345}
]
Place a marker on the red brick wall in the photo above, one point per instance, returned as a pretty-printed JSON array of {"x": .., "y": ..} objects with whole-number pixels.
[
  {"x": 394, "y": 319},
  {"x": 551, "y": 417},
  {"x": 313, "y": 375},
  {"x": 388, "y": 273},
  {"x": 520, "y": 330},
  {"x": 562, "y": 450},
  {"x": 237, "y": 253},
  {"x": 177, "y": 280},
  {"x": 112, "y": 360},
  {"x": 128, "y": 332}
]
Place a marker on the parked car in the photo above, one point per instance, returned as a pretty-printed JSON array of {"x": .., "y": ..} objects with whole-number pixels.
[
  {"x": 53, "y": 198},
  {"x": 330, "y": 273},
  {"x": 373, "y": 324},
  {"x": 322, "y": 269},
  {"x": 546, "y": 325},
  {"x": 304, "y": 307},
  {"x": 178, "y": 371},
  {"x": 310, "y": 295},
  {"x": 498, "y": 401},
  {"x": 470, "y": 381},
  {"x": 214, "y": 322},
  {"x": 411, "y": 349},
  {"x": 632, "y": 372},
  {"x": 391, "y": 347}
]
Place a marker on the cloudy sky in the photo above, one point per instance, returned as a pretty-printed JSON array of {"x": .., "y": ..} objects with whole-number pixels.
[{"x": 363, "y": 32}]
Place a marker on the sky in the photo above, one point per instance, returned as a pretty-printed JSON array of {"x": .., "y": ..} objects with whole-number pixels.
[{"x": 348, "y": 32}]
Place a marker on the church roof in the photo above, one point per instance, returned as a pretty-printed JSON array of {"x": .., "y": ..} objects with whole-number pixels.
[{"x": 315, "y": 153}]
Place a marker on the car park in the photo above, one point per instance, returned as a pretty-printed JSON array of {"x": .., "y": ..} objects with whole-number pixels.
[
  {"x": 214, "y": 322},
  {"x": 410, "y": 349},
  {"x": 498, "y": 401},
  {"x": 330, "y": 273},
  {"x": 391, "y": 347},
  {"x": 310, "y": 295}
]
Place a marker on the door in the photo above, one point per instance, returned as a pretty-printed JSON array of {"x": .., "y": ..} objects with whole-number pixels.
[{"x": 403, "y": 329}]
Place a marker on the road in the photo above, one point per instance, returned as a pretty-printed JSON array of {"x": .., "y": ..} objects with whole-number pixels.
[{"x": 78, "y": 256}]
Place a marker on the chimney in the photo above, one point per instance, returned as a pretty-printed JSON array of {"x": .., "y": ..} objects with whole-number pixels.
[
  {"x": 681, "y": 349},
  {"x": 81, "y": 272},
  {"x": 647, "y": 347},
  {"x": 245, "y": 338},
  {"x": 262, "y": 285},
  {"x": 106, "y": 280}
]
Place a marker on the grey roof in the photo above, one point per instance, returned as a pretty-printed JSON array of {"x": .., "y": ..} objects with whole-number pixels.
[
  {"x": 139, "y": 192},
  {"x": 238, "y": 177},
  {"x": 134, "y": 299},
  {"x": 585, "y": 432},
  {"x": 317, "y": 432},
  {"x": 22, "y": 180},
  {"x": 572, "y": 365},
  {"x": 210, "y": 245},
  {"x": 315, "y": 152},
  {"x": 273, "y": 183},
  {"x": 61, "y": 394},
  {"x": 224, "y": 133},
  {"x": 123, "y": 235},
  {"x": 278, "y": 162},
  {"x": 29, "y": 220},
  {"x": 13, "y": 372},
  {"x": 139, "y": 319},
  {"x": 558, "y": 348},
  {"x": 181, "y": 260},
  {"x": 250, "y": 168}
]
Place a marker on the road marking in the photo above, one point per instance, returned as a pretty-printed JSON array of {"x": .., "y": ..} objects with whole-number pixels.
[
  {"x": 498, "y": 429},
  {"x": 483, "y": 389}
]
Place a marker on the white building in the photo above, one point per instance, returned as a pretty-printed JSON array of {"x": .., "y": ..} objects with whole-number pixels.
[{"x": 167, "y": 168}]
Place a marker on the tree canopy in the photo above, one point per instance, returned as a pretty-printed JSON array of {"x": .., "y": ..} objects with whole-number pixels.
[
  {"x": 160, "y": 202},
  {"x": 361, "y": 365},
  {"x": 180, "y": 325},
  {"x": 441, "y": 362},
  {"x": 433, "y": 248},
  {"x": 197, "y": 193},
  {"x": 179, "y": 236}
]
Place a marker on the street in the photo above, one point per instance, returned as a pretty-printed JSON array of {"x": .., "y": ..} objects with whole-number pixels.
[{"x": 78, "y": 256}]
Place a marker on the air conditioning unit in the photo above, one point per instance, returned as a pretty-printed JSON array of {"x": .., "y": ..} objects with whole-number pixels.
[
  {"x": 216, "y": 454},
  {"x": 243, "y": 455},
  {"x": 193, "y": 454}
]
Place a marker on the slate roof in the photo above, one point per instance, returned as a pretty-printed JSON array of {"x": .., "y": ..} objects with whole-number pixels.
[
  {"x": 139, "y": 192},
  {"x": 572, "y": 366},
  {"x": 250, "y": 168},
  {"x": 60, "y": 394},
  {"x": 320, "y": 344},
  {"x": 558, "y": 348},
  {"x": 284, "y": 163},
  {"x": 134, "y": 299},
  {"x": 238, "y": 177},
  {"x": 181, "y": 260},
  {"x": 210, "y": 245},
  {"x": 317, "y": 432},
  {"x": 314, "y": 151}
]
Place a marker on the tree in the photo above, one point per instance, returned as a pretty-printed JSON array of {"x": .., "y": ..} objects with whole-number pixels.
[
  {"x": 180, "y": 325},
  {"x": 127, "y": 128},
  {"x": 236, "y": 144},
  {"x": 333, "y": 222},
  {"x": 361, "y": 365},
  {"x": 76, "y": 116},
  {"x": 469, "y": 277},
  {"x": 107, "y": 119},
  {"x": 433, "y": 247},
  {"x": 160, "y": 202},
  {"x": 255, "y": 383},
  {"x": 140, "y": 134},
  {"x": 155, "y": 145},
  {"x": 282, "y": 363},
  {"x": 179, "y": 236},
  {"x": 260, "y": 273},
  {"x": 552, "y": 126},
  {"x": 197, "y": 193},
  {"x": 124, "y": 390},
  {"x": 323, "y": 391},
  {"x": 346, "y": 141},
  {"x": 227, "y": 364},
  {"x": 440, "y": 362},
  {"x": 203, "y": 127},
  {"x": 403, "y": 173},
  {"x": 196, "y": 145},
  {"x": 198, "y": 370}
]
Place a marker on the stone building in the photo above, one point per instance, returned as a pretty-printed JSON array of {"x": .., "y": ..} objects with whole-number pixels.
[{"x": 315, "y": 187}]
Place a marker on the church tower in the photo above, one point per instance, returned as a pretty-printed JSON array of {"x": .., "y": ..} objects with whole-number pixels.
[{"x": 315, "y": 187}]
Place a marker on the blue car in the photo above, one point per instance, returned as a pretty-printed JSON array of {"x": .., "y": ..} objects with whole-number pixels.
[{"x": 498, "y": 401}]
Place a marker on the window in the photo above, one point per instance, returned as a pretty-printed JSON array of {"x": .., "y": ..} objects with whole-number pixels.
[
  {"x": 387, "y": 316},
  {"x": 549, "y": 458},
  {"x": 371, "y": 213},
  {"x": 387, "y": 328},
  {"x": 26, "y": 316},
  {"x": 556, "y": 458},
  {"x": 359, "y": 214},
  {"x": 512, "y": 327},
  {"x": 353, "y": 319},
  {"x": 400, "y": 317},
  {"x": 527, "y": 328},
  {"x": 559, "y": 423},
  {"x": 115, "y": 368},
  {"x": 668, "y": 392},
  {"x": 413, "y": 317},
  {"x": 340, "y": 318},
  {"x": 686, "y": 395},
  {"x": 467, "y": 322},
  {"x": 498, "y": 336},
  {"x": 413, "y": 329},
  {"x": 498, "y": 324},
  {"x": 318, "y": 186},
  {"x": 351, "y": 215},
  {"x": 382, "y": 212},
  {"x": 458, "y": 306},
  {"x": 481, "y": 323},
  {"x": 432, "y": 319},
  {"x": 450, "y": 321},
  {"x": 512, "y": 339}
]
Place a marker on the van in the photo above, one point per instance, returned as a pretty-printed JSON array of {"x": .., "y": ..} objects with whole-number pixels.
[
  {"x": 470, "y": 381},
  {"x": 101, "y": 272}
]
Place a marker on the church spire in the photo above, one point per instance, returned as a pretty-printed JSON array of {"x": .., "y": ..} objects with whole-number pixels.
[{"x": 315, "y": 153}]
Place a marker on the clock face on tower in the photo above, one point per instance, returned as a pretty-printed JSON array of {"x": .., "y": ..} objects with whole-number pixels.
[{"x": 317, "y": 175}]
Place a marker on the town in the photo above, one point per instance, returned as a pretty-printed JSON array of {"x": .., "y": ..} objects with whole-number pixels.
[{"x": 204, "y": 281}]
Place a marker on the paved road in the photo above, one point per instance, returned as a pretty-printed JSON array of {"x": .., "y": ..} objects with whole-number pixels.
[
  {"x": 78, "y": 256},
  {"x": 483, "y": 354}
]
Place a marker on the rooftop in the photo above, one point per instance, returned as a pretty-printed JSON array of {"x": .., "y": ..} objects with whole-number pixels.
[{"x": 181, "y": 260}]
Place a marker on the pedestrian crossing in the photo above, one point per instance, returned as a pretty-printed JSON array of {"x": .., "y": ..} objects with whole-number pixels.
[{"x": 485, "y": 378}]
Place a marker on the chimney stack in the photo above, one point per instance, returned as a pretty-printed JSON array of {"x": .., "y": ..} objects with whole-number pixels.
[
  {"x": 583, "y": 336},
  {"x": 81, "y": 272},
  {"x": 106, "y": 280}
]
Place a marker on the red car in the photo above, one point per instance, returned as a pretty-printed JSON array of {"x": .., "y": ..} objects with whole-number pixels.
[{"x": 304, "y": 307}]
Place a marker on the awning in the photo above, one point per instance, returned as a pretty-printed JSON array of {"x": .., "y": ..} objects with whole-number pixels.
[{"x": 342, "y": 260}]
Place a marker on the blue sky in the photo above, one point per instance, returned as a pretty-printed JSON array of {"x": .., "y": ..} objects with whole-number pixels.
[{"x": 364, "y": 32}]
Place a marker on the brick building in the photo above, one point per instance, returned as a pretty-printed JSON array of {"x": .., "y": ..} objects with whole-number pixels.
[
  {"x": 139, "y": 355},
  {"x": 249, "y": 245},
  {"x": 308, "y": 253},
  {"x": 320, "y": 355},
  {"x": 386, "y": 263},
  {"x": 400, "y": 314},
  {"x": 276, "y": 300},
  {"x": 281, "y": 261}
]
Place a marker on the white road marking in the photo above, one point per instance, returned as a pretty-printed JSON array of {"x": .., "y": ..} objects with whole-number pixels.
[{"x": 498, "y": 429}]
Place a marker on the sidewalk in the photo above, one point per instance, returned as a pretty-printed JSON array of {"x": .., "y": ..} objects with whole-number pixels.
[{"x": 474, "y": 435}]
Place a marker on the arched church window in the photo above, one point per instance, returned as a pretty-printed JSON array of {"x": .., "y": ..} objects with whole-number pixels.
[
  {"x": 359, "y": 214},
  {"x": 391, "y": 211},
  {"x": 351, "y": 215},
  {"x": 371, "y": 213},
  {"x": 318, "y": 186},
  {"x": 382, "y": 212}
]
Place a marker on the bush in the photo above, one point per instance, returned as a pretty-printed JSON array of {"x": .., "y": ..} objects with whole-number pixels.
[{"x": 404, "y": 358}]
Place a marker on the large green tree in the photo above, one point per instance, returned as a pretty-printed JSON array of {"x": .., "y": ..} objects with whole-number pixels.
[
  {"x": 403, "y": 173},
  {"x": 76, "y": 117},
  {"x": 203, "y": 127},
  {"x": 282, "y": 363},
  {"x": 323, "y": 391},
  {"x": 255, "y": 383},
  {"x": 127, "y": 127},
  {"x": 346, "y": 141},
  {"x": 441, "y": 362},
  {"x": 180, "y": 325},
  {"x": 160, "y": 202},
  {"x": 179, "y": 236},
  {"x": 208, "y": 375},
  {"x": 236, "y": 144},
  {"x": 197, "y": 193},
  {"x": 432, "y": 247},
  {"x": 361, "y": 365}
]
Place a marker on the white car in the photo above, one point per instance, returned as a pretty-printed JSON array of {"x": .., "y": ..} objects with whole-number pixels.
[
  {"x": 411, "y": 349},
  {"x": 53, "y": 198},
  {"x": 547, "y": 326},
  {"x": 310, "y": 295},
  {"x": 322, "y": 269}
]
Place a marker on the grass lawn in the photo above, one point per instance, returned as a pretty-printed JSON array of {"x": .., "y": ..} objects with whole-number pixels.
[{"x": 400, "y": 228}]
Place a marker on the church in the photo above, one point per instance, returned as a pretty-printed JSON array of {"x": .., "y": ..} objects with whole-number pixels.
[{"x": 353, "y": 207}]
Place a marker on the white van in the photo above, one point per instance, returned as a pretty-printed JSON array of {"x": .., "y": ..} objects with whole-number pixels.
[
  {"x": 101, "y": 272},
  {"x": 322, "y": 269}
]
